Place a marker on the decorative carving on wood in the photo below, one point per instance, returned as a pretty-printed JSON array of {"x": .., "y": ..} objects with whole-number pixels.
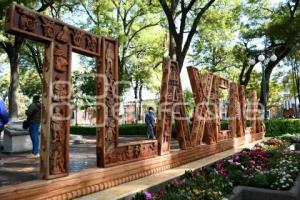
[
  {"x": 60, "y": 92},
  {"x": 109, "y": 152},
  {"x": 23, "y": 21},
  {"x": 61, "y": 63},
  {"x": 234, "y": 111},
  {"x": 201, "y": 92},
  {"x": 60, "y": 39},
  {"x": 91, "y": 43},
  {"x": 256, "y": 122},
  {"x": 77, "y": 37},
  {"x": 57, "y": 125},
  {"x": 58, "y": 130},
  {"x": 171, "y": 99},
  {"x": 27, "y": 20},
  {"x": 212, "y": 125},
  {"x": 242, "y": 101},
  {"x": 48, "y": 27},
  {"x": 63, "y": 35},
  {"x": 57, "y": 160},
  {"x": 56, "y": 79}
]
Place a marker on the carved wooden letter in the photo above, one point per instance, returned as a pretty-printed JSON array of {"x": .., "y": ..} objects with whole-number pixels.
[
  {"x": 171, "y": 99},
  {"x": 256, "y": 123},
  {"x": 234, "y": 111},
  {"x": 242, "y": 101},
  {"x": 201, "y": 91}
]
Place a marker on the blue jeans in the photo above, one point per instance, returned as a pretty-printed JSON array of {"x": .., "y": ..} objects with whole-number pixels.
[
  {"x": 34, "y": 135},
  {"x": 150, "y": 131}
]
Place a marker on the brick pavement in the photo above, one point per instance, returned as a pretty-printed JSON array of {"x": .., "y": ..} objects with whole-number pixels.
[{"x": 17, "y": 168}]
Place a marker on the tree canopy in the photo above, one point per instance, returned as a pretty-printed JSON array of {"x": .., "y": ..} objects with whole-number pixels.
[{"x": 219, "y": 36}]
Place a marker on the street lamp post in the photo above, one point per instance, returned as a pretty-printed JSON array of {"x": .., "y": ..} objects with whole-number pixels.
[{"x": 261, "y": 58}]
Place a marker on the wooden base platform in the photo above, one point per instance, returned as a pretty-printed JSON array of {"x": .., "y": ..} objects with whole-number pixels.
[
  {"x": 97, "y": 179},
  {"x": 248, "y": 138}
]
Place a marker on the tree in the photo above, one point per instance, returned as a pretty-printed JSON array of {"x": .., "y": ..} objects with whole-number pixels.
[
  {"x": 124, "y": 20},
  {"x": 213, "y": 49},
  {"x": 30, "y": 82},
  {"x": 190, "y": 14},
  {"x": 144, "y": 67},
  {"x": 278, "y": 28},
  {"x": 292, "y": 77}
]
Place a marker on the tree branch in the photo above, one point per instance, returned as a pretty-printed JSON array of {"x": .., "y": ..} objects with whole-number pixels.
[
  {"x": 45, "y": 6},
  {"x": 169, "y": 16},
  {"x": 194, "y": 26},
  {"x": 89, "y": 14}
]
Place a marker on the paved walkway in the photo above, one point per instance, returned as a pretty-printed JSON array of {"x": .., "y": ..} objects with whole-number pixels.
[
  {"x": 17, "y": 168},
  {"x": 132, "y": 187}
]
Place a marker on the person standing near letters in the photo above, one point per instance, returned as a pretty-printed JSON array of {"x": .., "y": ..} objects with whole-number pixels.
[
  {"x": 34, "y": 119},
  {"x": 150, "y": 122}
]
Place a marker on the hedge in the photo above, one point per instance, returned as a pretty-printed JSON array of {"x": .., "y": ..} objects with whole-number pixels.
[
  {"x": 275, "y": 127},
  {"x": 278, "y": 127},
  {"x": 124, "y": 129}
]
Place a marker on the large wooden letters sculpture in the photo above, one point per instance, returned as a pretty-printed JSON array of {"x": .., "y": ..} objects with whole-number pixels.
[
  {"x": 171, "y": 100},
  {"x": 201, "y": 91},
  {"x": 60, "y": 40}
]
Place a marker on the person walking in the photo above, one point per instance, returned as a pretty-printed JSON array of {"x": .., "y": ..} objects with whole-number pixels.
[
  {"x": 150, "y": 122},
  {"x": 4, "y": 116},
  {"x": 34, "y": 119}
]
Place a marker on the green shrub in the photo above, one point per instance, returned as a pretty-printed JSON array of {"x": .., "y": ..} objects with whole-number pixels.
[
  {"x": 278, "y": 127},
  {"x": 125, "y": 129},
  {"x": 274, "y": 127}
]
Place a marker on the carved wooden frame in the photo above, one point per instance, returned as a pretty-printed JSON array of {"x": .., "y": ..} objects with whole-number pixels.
[{"x": 60, "y": 40}]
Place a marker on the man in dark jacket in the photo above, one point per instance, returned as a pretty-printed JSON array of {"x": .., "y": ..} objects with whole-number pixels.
[
  {"x": 34, "y": 118},
  {"x": 3, "y": 115},
  {"x": 150, "y": 122}
]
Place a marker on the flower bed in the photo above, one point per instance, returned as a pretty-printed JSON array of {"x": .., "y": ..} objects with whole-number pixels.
[{"x": 268, "y": 166}]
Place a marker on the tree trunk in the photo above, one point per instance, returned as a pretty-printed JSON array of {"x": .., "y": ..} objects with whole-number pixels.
[
  {"x": 281, "y": 53},
  {"x": 140, "y": 102},
  {"x": 13, "y": 55},
  {"x": 135, "y": 89},
  {"x": 245, "y": 74},
  {"x": 172, "y": 47},
  {"x": 296, "y": 83},
  {"x": 13, "y": 88}
]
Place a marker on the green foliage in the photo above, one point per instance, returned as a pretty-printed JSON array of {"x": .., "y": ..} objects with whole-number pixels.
[
  {"x": 125, "y": 129},
  {"x": 189, "y": 101},
  {"x": 274, "y": 127},
  {"x": 30, "y": 82},
  {"x": 213, "y": 49},
  {"x": 278, "y": 127},
  {"x": 4, "y": 84}
]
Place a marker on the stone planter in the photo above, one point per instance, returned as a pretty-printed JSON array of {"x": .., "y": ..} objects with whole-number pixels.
[
  {"x": 251, "y": 193},
  {"x": 16, "y": 139}
]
